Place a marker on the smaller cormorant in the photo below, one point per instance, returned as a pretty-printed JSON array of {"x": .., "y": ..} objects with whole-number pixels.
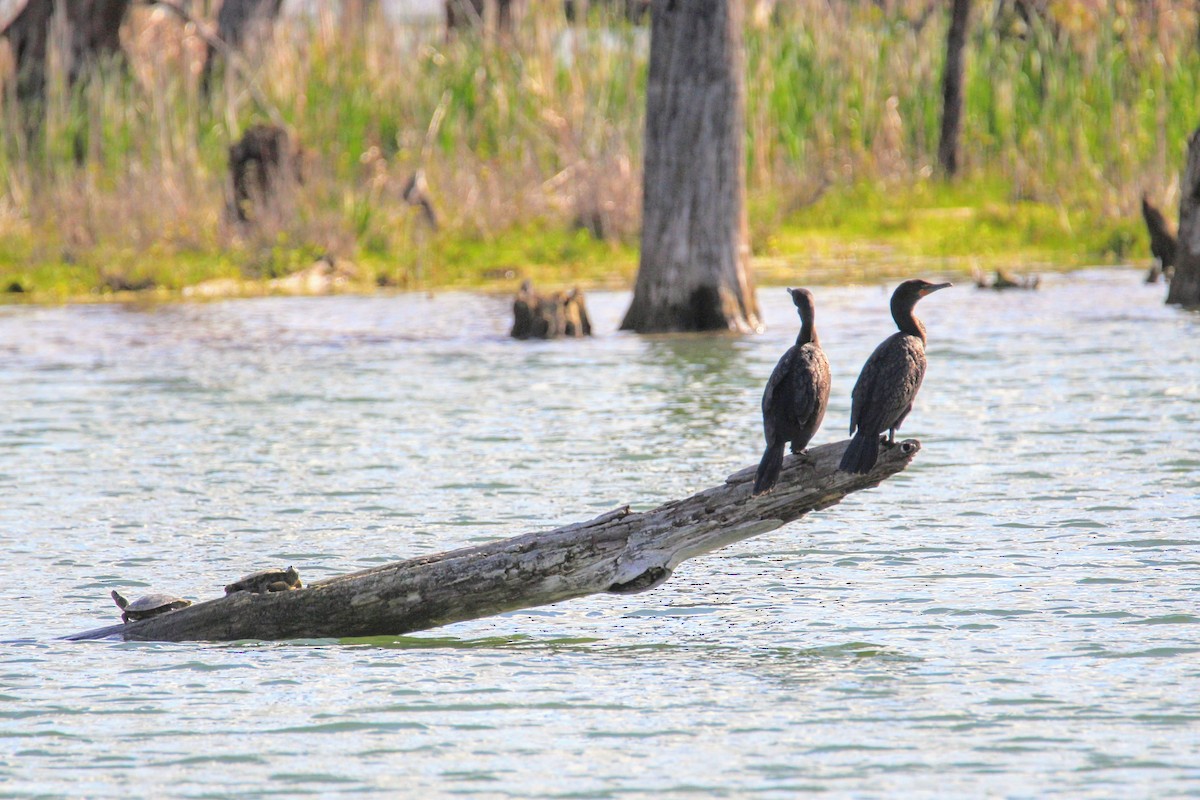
[
  {"x": 889, "y": 380},
  {"x": 797, "y": 393}
]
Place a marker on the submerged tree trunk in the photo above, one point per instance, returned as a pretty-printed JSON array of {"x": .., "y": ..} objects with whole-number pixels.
[
  {"x": 619, "y": 552},
  {"x": 1185, "y": 282},
  {"x": 694, "y": 272},
  {"x": 952, "y": 87},
  {"x": 93, "y": 31}
]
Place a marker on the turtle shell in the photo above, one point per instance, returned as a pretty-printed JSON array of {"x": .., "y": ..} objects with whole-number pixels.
[
  {"x": 150, "y": 605},
  {"x": 267, "y": 580}
]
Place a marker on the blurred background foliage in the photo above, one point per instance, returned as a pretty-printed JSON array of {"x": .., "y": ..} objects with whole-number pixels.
[{"x": 530, "y": 144}]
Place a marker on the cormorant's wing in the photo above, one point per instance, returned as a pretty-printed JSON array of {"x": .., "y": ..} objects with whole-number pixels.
[{"x": 777, "y": 394}]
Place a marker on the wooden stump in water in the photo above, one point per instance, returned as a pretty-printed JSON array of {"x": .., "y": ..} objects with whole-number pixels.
[
  {"x": 1003, "y": 279},
  {"x": 1162, "y": 242},
  {"x": 549, "y": 316},
  {"x": 618, "y": 552},
  {"x": 264, "y": 163},
  {"x": 1185, "y": 282}
]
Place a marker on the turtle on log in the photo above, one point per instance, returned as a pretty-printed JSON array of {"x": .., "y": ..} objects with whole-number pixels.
[
  {"x": 148, "y": 606},
  {"x": 267, "y": 580}
]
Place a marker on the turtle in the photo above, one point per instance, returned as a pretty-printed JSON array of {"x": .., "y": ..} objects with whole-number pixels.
[
  {"x": 267, "y": 580},
  {"x": 148, "y": 606}
]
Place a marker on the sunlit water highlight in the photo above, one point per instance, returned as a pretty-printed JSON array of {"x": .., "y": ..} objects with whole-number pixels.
[{"x": 1016, "y": 615}]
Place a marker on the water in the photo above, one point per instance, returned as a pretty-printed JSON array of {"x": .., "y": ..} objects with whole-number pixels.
[{"x": 1016, "y": 615}]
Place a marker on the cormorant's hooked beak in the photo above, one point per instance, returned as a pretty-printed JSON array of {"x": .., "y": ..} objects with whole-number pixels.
[{"x": 934, "y": 288}]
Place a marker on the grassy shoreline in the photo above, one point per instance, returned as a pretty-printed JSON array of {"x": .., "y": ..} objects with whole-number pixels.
[
  {"x": 852, "y": 235},
  {"x": 532, "y": 151}
]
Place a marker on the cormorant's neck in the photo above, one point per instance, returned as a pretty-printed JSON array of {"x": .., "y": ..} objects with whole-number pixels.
[
  {"x": 808, "y": 333},
  {"x": 907, "y": 321}
]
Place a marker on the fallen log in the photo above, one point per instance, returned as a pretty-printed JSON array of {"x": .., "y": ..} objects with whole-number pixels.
[{"x": 619, "y": 552}]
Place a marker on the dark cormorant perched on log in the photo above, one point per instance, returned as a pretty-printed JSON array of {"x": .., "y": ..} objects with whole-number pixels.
[
  {"x": 797, "y": 393},
  {"x": 889, "y": 380}
]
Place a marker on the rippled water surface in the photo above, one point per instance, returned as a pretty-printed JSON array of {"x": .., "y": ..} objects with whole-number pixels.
[{"x": 1016, "y": 615}]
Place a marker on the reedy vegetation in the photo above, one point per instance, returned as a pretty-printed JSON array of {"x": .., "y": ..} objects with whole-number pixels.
[{"x": 532, "y": 146}]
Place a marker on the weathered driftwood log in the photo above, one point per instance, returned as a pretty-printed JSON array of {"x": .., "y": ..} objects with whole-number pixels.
[
  {"x": 263, "y": 163},
  {"x": 549, "y": 316},
  {"x": 620, "y": 552},
  {"x": 1185, "y": 282},
  {"x": 1162, "y": 242}
]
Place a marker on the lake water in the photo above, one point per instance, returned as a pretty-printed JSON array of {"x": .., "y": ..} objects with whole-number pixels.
[{"x": 1016, "y": 615}]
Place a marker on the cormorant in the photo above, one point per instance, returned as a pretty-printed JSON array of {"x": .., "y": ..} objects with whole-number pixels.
[
  {"x": 794, "y": 401},
  {"x": 889, "y": 380}
]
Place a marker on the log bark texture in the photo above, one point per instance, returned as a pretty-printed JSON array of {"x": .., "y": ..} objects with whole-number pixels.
[
  {"x": 952, "y": 83},
  {"x": 618, "y": 552},
  {"x": 1185, "y": 281},
  {"x": 694, "y": 271}
]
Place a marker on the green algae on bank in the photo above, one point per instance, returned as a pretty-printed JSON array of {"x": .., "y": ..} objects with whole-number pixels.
[{"x": 852, "y": 234}]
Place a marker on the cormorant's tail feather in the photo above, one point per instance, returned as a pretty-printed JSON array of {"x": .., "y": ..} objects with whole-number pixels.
[
  {"x": 861, "y": 454},
  {"x": 769, "y": 468}
]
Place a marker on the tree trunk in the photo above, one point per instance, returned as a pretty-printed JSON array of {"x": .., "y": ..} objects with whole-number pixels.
[
  {"x": 239, "y": 22},
  {"x": 694, "y": 273},
  {"x": 93, "y": 30},
  {"x": 619, "y": 552},
  {"x": 952, "y": 87},
  {"x": 1185, "y": 282}
]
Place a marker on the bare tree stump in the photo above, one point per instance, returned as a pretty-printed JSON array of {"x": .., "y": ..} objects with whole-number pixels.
[
  {"x": 263, "y": 163},
  {"x": 619, "y": 552},
  {"x": 1185, "y": 282},
  {"x": 549, "y": 316}
]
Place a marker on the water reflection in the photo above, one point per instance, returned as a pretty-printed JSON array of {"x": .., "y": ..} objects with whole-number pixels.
[{"x": 703, "y": 379}]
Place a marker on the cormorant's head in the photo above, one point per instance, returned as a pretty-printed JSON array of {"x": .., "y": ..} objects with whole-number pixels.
[
  {"x": 804, "y": 302},
  {"x": 908, "y": 293}
]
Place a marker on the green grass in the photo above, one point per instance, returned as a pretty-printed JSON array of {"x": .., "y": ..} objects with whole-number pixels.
[{"x": 946, "y": 221}]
